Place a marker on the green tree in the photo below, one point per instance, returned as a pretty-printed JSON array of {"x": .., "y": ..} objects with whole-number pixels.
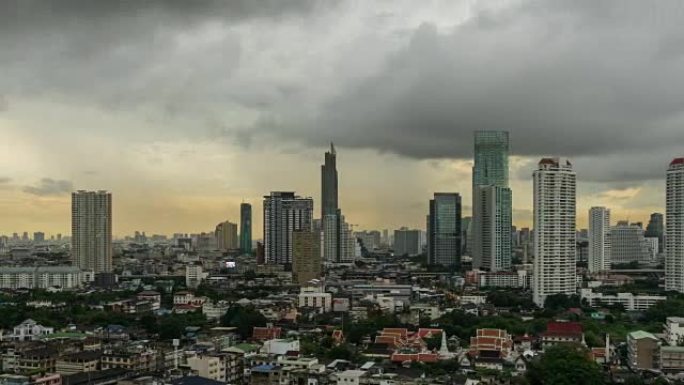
[
  {"x": 566, "y": 364},
  {"x": 244, "y": 319}
]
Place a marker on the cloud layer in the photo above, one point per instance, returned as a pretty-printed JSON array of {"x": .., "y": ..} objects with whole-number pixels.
[{"x": 86, "y": 81}]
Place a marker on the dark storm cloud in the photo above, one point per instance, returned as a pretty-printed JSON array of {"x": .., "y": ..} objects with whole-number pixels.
[
  {"x": 598, "y": 81},
  {"x": 568, "y": 78},
  {"x": 50, "y": 187}
]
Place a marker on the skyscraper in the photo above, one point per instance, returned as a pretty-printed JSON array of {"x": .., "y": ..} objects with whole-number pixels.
[
  {"x": 329, "y": 203},
  {"x": 91, "y": 230},
  {"x": 284, "y": 213},
  {"x": 554, "y": 229},
  {"x": 444, "y": 230},
  {"x": 599, "y": 239},
  {"x": 656, "y": 229},
  {"x": 674, "y": 227},
  {"x": 246, "y": 228},
  {"x": 492, "y": 248},
  {"x": 492, "y": 202},
  {"x": 306, "y": 261},
  {"x": 226, "y": 236}
]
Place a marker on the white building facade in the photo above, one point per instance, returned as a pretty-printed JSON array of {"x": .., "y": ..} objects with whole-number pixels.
[
  {"x": 554, "y": 229},
  {"x": 674, "y": 227},
  {"x": 599, "y": 239}
]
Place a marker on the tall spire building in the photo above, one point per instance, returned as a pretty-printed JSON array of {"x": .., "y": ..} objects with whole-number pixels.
[
  {"x": 329, "y": 204},
  {"x": 492, "y": 202},
  {"x": 336, "y": 246}
]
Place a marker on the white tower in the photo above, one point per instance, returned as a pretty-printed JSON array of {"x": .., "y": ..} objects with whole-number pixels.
[
  {"x": 554, "y": 229},
  {"x": 599, "y": 239},
  {"x": 674, "y": 227}
]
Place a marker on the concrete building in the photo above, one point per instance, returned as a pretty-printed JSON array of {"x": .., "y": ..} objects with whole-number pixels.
[
  {"x": 315, "y": 298},
  {"x": 30, "y": 330},
  {"x": 630, "y": 301},
  {"x": 226, "y": 234},
  {"x": 44, "y": 277},
  {"x": 444, "y": 230},
  {"x": 91, "y": 230},
  {"x": 369, "y": 239},
  {"x": 671, "y": 359},
  {"x": 493, "y": 223},
  {"x": 407, "y": 242},
  {"x": 194, "y": 275},
  {"x": 492, "y": 202},
  {"x": 306, "y": 261},
  {"x": 554, "y": 229},
  {"x": 642, "y": 350},
  {"x": 284, "y": 213},
  {"x": 209, "y": 366},
  {"x": 674, "y": 331},
  {"x": 627, "y": 244},
  {"x": 599, "y": 239},
  {"x": 674, "y": 230},
  {"x": 656, "y": 229}
]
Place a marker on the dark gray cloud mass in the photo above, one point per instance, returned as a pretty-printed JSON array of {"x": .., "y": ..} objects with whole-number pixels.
[
  {"x": 597, "y": 81},
  {"x": 50, "y": 187}
]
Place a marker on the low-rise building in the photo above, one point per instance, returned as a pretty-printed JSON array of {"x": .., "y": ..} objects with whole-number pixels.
[
  {"x": 558, "y": 332},
  {"x": 629, "y": 301},
  {"x": 30, "y": 330},
  {"x": 315, "y": 298},
  {"x": 81, "y": 362},
  {"x": 672, "y": 359},
  {"x": 674, "y": 330},
  {"x": 44, "y": 277},
  {"x": 642, "y": 350},
  {"x": 211, "y": 366}
]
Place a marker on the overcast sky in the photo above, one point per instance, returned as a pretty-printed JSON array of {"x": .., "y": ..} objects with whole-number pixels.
[{"x": 183, "y": 109}]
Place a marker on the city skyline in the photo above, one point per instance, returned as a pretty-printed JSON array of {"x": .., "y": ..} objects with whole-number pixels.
[{"x": 199, "y": 132}]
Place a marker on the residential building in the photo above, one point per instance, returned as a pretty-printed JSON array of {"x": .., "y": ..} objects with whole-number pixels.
[
  {"x": 674, "y": 331},
  {"x": 81, "y": 362},
  {"x": 91, "y": 230},
  {"x": 30, "y": 330},
  {"x": 306, "y": 256},
  {"x": 642, "y": 350},
  {"x": 554, "y": 229},
  {"x": 630, "y": 301},
  {"x": 194, "y": 275},
  {"x": 674, "y": 227},
  {"x": 284, "y": 213},
  {"x": 210, "y": 366},
  {"x": 671, "y": 359},
  {"x": 492, "y": 202},
  {"x": 227, "y": 236},
  {"x": 246, "y": 228},
  {"x": 265, "y": 375},
  {"x": 44, "y": 277},
  {"x": 338, "y": 241},
  {"x": 627, "y": 244},
  {"x": 369, "y": 239},
  {"x": 444, "y": 230},
  {"x": 407, "y": 242},
  {"x": 599, "y": 239},
  {"x": 315, "y": 298}
]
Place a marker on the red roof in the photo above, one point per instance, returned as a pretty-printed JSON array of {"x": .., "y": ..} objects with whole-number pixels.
[
  {"x": 564, "y": 329},
  {"x": 676, "y": 161}
]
